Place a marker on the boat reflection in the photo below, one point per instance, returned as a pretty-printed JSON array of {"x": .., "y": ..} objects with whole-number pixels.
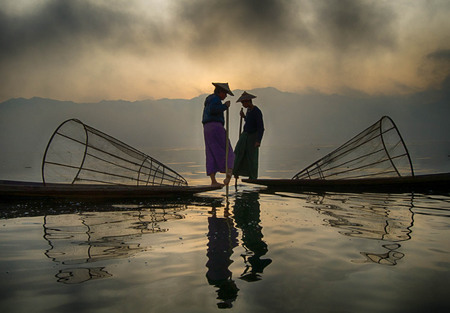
[
  {"x": 388, "y": 218},
  {"x": 223, "y": 238},
  {"x": 78, "y": 240}
]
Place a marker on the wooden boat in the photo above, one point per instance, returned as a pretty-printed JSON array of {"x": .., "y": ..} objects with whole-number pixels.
[
  {"x": 419, "y": 183},
  {"x": 83, "y": 162},
  {"x": 375, "y": 160},
  {"x": 18, "y": 189}
]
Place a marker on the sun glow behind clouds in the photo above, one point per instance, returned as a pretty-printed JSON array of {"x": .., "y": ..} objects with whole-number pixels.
[{"x": 89, "y": 50}]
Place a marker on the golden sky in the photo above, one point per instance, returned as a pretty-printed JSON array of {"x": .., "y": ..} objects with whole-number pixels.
[{"x": 90, "y": 50}]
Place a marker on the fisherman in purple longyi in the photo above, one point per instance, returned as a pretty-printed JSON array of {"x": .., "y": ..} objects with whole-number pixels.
[{"x": 215, "y": 134}]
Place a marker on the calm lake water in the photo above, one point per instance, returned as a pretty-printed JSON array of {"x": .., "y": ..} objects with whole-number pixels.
[{"x": 255, "y": 252}]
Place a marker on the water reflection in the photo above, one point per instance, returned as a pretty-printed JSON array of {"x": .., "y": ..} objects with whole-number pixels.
[
  {"x": 388, "y": 258},
  {"x": 78, "y": 240},
  {"x": 388, "y": 218},
  {"x": 246, "y": 213},
  {"x": 80, "y": 275},
  {"x": 223, "y": 238}
]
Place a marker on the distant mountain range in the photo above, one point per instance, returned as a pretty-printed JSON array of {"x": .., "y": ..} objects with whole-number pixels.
[
  {"x": 290, "y": 120},
  {"x": 288, "y": 116}
]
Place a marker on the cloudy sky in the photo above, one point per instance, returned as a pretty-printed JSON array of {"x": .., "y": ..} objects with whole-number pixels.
[{"x": 89, "y": 50}]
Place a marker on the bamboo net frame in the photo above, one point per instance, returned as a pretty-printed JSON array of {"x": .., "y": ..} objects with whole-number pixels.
[
  {"x": 378, "y": 151},
  {"x": 79, "y": 154}
]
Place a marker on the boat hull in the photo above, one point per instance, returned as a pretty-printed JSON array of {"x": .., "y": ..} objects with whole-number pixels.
[
  {"x": 17, "y": 189},
  {"x": 422, "y": 183}
]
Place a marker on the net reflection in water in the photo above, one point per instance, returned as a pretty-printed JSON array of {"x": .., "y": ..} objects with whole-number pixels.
[
  {"x": 77, "y": 240},
  {"x": 385, "y": 218}
]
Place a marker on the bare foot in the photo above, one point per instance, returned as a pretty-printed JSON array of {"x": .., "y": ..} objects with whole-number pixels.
[{"x": 216, "y": 184}]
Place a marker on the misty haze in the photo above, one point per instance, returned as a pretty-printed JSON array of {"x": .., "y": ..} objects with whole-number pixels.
[{"x": 299, "y": 128}]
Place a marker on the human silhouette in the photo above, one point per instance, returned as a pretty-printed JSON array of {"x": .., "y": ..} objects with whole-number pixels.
[
  {"x": 246, "y": 214},
  {"x": 222, "y": 238}
]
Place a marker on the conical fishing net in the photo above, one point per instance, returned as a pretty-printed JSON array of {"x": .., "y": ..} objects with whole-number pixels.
[
  {"x": 78, "y": 153},
  {"x": 379, "y": 151}
]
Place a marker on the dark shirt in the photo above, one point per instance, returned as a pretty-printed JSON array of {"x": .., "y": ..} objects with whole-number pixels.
[
  {"x": 213, "y": 109},
  {"x": 254, "y": 122}
]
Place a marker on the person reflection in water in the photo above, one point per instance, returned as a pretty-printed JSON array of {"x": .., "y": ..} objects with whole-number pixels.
[
  {"x": 222, "y": 238},
  {"x": 246, "y": 213}
]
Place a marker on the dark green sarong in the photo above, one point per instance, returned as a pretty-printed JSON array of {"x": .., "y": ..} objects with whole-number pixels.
[{"x": 246, "y": 156}]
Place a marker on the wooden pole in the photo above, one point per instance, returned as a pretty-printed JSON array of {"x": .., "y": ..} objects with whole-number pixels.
[
  {"x": 240, "y": 123},
  {"x": 227, "y": 123},
  {"x": 240, "y": 132}
]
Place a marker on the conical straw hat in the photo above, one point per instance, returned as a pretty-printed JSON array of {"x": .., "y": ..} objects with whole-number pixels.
[
  {"x": 245, "y": 96},
  {"x": 225, "y": 87}
]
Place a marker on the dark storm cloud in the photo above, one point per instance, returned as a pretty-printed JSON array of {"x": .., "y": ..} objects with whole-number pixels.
[
  {"x": 435, "y": 68},
  {"x": 440, "y": 55},
  {"x": 201, "y": 26},
  {"x": 280, "y": 25},
  {"x": 263, "y": 23},
  {"x": 70, "y": 25},
  {"x": 59, "y": 22},
  {"x": 440, "y": 67},
  {"x": 359, "y": 25}
]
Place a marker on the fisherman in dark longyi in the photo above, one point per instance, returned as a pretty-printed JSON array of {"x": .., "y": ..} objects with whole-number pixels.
[{"x": 247, "y": 148}]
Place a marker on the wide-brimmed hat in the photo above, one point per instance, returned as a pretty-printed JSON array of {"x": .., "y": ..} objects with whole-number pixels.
[
  {"x": 245, "y": 96},
  {"x": 225, "y": 87}
]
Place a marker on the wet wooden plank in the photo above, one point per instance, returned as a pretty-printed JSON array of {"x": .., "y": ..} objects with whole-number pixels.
[
  {"x": 432, "y": 182},
  {"x": 33, "y": 190}
]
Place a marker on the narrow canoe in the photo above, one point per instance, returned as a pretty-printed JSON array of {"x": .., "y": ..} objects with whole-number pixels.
[
  {"x": 421, "y": 183},
  {"x": 19, "y": 189}
]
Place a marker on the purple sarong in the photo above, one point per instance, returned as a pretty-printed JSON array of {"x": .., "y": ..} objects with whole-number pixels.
[{"x": 215, "y": 138}]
